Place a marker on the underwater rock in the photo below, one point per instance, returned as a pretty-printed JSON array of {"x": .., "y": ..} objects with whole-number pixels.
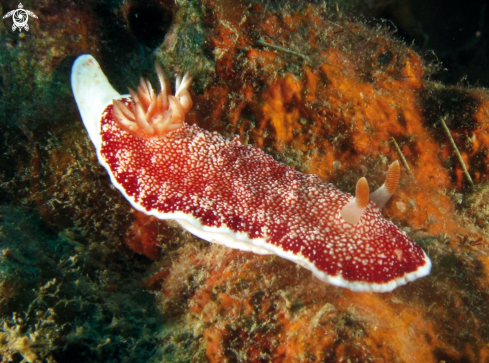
[
  {"x": 61, "y": 301},
  {"x": 353, "y": 97},
  {"x": 332, "y": 113},
  {"x": 350, "y": 97}
]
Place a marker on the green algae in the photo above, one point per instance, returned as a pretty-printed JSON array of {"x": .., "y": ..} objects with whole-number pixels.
[
  {"x": 62, "y": 301},
  {"x": 29, "y": 93},
  {"x": 186, "y": 48}
]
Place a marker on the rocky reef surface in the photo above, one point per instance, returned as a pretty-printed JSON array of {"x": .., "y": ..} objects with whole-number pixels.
[{"x": 83, "y": 277}]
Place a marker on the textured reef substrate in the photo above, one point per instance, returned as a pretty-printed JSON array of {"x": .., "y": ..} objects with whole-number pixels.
[{"x": 319, "y": 90}]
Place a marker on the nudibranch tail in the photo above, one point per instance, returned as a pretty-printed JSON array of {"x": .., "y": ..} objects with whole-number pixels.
[
  {"x": 382, "y": 195},
  {"x": 236, "y": 195},
  {"x": 92, "y": 92},
  {"x": 153, "y": 116},
  {"x": 352, "y": 212}
]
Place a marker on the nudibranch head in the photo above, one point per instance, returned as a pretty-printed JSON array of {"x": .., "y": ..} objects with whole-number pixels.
[
  {"x": 236, "y": 195},
  {"x": 152, "y": 116}
]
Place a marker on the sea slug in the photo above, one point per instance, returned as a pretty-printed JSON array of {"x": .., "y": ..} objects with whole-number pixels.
[{"x": 236, "y": 195}]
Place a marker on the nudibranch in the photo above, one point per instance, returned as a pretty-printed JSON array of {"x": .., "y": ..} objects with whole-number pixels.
[{"x": 236, "y": 195}]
